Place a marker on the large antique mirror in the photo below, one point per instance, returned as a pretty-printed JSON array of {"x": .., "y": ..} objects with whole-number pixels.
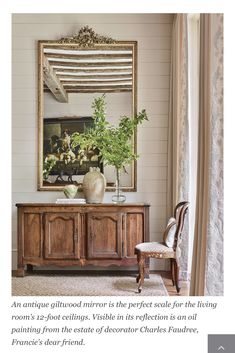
[{"x": 72, "y": 72}]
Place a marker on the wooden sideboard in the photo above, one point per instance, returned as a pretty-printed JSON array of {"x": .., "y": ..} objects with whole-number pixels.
[{"x": 80, "y": 235}]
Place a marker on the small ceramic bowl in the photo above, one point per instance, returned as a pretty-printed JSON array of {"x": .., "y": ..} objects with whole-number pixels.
[{"x": 70, "y": 191}]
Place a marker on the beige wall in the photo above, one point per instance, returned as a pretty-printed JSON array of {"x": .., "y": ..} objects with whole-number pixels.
[{"x": 153, "y": 33}]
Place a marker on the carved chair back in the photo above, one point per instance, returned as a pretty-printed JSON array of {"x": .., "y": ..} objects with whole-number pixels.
[{"x": 179, "y": 214}]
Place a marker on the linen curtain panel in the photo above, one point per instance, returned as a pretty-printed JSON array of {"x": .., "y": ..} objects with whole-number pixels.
[
  {"x": 207, "y": 266},
  {"x": 178, "y": 135}
]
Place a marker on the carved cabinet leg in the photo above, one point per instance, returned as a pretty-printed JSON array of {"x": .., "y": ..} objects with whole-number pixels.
[{"x": 20, "y": 272}]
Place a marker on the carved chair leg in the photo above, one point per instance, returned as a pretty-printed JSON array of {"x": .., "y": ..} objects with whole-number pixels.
[
  {"x": 138, "y": 260},
  {"x": 172, "y": 271},
  {"x": 141, "y": 263},
  {"x": 177, "y": 269},
  {"x": 146, "y": 268}
]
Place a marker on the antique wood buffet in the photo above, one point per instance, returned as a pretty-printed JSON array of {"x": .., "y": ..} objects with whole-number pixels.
[{"x": 80, "y": 235}]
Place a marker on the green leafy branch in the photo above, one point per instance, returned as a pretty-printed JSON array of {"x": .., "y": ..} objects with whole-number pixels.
[{"x": 115, "y": 144}]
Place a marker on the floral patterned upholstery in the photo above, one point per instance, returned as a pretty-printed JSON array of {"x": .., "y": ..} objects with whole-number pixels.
[{"x": 155, "y": 249}]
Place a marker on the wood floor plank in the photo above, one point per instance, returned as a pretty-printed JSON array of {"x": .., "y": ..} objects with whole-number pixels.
[{"x": 170, "y": 289}]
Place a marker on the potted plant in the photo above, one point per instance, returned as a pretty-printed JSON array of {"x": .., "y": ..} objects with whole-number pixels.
[{"x": 115, "y": 144}]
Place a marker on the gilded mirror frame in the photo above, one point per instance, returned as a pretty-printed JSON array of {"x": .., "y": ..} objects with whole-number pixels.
[{"x": 93, "y": 41}]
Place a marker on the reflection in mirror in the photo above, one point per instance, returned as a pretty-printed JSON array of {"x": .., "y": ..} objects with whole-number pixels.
[{"x": 70, "y": 77}]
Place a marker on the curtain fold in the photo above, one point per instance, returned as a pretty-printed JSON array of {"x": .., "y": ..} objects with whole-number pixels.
[
  {"x": 178, "y": 135},
  {"x": 207, "y": 265}
]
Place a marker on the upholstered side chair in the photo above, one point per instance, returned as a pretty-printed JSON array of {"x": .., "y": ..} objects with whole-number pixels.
[{"x": 168, "y": 249}]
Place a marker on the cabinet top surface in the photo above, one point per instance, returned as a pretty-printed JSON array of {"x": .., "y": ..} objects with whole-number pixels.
[{"x": 81, "y": 205}]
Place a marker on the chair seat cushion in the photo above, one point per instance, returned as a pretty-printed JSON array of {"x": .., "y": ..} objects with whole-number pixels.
[{"x": 155, "y": 249}]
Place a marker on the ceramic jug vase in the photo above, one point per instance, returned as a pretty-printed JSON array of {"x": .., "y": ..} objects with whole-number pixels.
[{"x": 94, "y": 184}]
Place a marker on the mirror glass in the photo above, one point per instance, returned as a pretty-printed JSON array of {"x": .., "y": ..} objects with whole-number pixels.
[{"x": 70, "y": 77}]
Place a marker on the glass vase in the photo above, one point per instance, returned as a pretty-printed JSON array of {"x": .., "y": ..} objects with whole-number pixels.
[{"x": 118, "y": 197}]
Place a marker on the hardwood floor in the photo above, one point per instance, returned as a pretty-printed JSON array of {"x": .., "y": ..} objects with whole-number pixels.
[{"x": 170, "y": 289}]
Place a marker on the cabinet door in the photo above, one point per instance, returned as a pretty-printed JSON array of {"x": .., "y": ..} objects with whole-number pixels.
[
  {"x": 62, "y": 236},
  {"x": 104, "y": 235}
]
